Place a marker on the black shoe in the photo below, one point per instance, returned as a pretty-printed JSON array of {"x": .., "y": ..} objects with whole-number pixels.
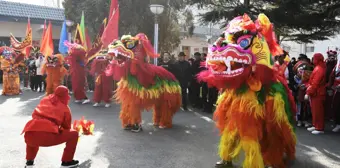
[
  {"x": 223, "y": 164},
  {"x": 29, "y": 164},
  {"x": 136, "y": 128},
  {"x": 128, "y": 127},
  {"x": 71, "y": 164}
]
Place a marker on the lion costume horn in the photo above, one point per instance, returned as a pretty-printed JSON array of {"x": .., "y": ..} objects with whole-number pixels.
[
  {"x": 150, "y": 51},
  {"x": 266, "y": 28}
]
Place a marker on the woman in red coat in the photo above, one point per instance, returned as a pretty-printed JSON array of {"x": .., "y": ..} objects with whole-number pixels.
[
  {"x": 316, "y": 91},
  {"x": 50, "y": 126}
]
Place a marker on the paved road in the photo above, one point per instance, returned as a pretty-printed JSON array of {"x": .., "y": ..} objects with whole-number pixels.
[{"x": 192, "y": 143}]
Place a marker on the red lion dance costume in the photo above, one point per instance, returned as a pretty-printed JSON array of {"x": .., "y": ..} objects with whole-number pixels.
[
  {"x": 55, "y": 71},
  {"x": 142, "y": 86},
  {"x": 103, "y": 88},
  {"x": 77, "y": 60},
  {"x": 256, "y": 109}
]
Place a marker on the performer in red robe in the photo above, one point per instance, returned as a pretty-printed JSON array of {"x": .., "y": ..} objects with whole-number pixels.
[
  {"x": 331, "y": 62},
  {"x": 77, "y": 60},
  {"x": 316, "y": 91},
  {"x": 50, "y": 126},
  {"x": 334, "y": 84},
  {"x": 103, "y": 83}
]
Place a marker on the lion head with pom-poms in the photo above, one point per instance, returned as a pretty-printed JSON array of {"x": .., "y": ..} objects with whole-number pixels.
[
  {"x": 131, "y": 57},
  {"x": 10, "y": 54},
  {"x": 244, "y": 51},
  {"x": 76, "y": 52}
]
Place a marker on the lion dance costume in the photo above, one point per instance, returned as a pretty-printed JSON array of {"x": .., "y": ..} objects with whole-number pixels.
[
  {"x": 10, "y": 62},
  {"x": 142, "y": 86},
  {"x": 103, "y": 83},
  {"x": 55, "y": 71},
  {"x": 77, "y": 60},
  {"x": 256, "y": 109}
]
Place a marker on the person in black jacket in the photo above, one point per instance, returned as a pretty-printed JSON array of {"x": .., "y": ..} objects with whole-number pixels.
[
  {"x": 183, "y": 75},
  {"x": 194, "y": 84},
  {"x": 167, "y": 63},
  {"x": 32, "y": 71}
]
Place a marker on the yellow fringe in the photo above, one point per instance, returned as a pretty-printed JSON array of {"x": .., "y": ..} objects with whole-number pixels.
[
  {"x": 253, "y": 153},
  {"x": 230, "y": 146},
  {"x": 150, "y": 93},
  {"x": 280, "y": 113}
]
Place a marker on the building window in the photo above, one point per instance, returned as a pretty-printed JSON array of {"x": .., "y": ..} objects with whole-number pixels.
[
  {"x": 310, "y": 49},
  {"x": 4, "y": 41},
  {"x": 205, "y": 50}
]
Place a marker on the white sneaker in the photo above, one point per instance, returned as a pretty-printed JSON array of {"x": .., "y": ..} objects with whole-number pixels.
[
  {"x": 77, "y": 101},
  {"x": 32, "y": 166},
  {"x": 299, "y": 124},
  {"x": 162, "y": 127},
  {"x": 316, "y": 132},
  {"x": 311, "y": 129},
  {"x": 336, "y": 128},
  {"x": 96, "y": 105},
  {"x": 306, "y": 124},
  {"x": 71, "y": 93},
  {"x": 107, "y": 105},
  {"x": 86, "y": 101}
]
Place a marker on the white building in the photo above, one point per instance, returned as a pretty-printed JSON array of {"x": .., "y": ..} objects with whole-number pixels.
[
  {"x": 198, "y": 42},
  {"x": 295, "y": 49},
  {"x": 14, "y": 16}
]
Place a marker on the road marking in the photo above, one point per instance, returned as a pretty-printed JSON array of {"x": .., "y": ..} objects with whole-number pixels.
[{"x": 204, "y": 117}]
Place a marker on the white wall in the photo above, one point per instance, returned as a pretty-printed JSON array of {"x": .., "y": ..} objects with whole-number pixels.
[
  {"x": 319, "y": 46},
  {"x": 19, "y": 30},
  {"x": 193, "y": 42}
]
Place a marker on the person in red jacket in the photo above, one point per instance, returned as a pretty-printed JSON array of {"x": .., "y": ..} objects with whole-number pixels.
[
  {"x": 51, "y": 125},
  {"x": 316, "y": 91}
]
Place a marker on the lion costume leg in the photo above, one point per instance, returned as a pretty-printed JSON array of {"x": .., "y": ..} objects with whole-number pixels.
[
  {"x": 279, "y": 137},
  {"x": 49, "y": 83},
  {"x": 229, "y": 147},
  {"x": 124, "y": 116},
  {"x": 169, "y": 105},
  {"x": 250, "y": 130}
]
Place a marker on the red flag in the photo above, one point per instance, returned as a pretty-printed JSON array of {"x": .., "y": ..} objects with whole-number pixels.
[
  {"x": 47, "y": 47},
  {"x": 27, "y": 50},
  {"x": 113, "y": 7},
  {"x": 88, "y": 40},
  {"x": 111, "y": 30}
]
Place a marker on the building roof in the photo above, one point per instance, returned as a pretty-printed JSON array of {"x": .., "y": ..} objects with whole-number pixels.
[
  {"x": 206, "y": 31},
  {"x": 35, "y": 12}
]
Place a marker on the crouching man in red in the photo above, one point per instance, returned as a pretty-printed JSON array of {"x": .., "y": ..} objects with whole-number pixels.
[
  {"x": 316, "y": 91},
  {"x": 50, "y": 126}
]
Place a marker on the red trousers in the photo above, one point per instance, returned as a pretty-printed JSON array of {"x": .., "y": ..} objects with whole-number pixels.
[
  {"x": 78, "y": 83},
  {"x": 103, "y": 89},
  {"x": 34, "y": 140},
  {"x": 318, "y": 112}
]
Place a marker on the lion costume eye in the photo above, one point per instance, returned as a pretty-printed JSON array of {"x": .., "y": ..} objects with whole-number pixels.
[
  {"x": 245, "y": 41},
  {"x": 130, "y": 44}
]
